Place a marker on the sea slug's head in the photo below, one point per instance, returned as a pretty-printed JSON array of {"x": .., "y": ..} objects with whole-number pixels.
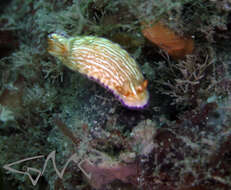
[
  {"x": 134, "y": 97},
  {"x": 57, "y": 45}
]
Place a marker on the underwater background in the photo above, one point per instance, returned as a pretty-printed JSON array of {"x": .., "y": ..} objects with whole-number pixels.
[{"x": 63, "y": 121}]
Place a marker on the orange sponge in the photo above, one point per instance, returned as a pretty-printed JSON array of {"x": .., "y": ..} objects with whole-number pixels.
[{"x": 175, "y": 45}]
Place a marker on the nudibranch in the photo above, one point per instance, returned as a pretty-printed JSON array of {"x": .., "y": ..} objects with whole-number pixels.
[{"x": 105, "y": 62}]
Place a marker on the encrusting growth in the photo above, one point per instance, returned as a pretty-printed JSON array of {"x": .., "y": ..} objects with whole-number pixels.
[{"x": 175, "y": 45}]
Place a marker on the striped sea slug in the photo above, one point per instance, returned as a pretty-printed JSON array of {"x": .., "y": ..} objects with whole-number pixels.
[{"x": 105, "y": 62}]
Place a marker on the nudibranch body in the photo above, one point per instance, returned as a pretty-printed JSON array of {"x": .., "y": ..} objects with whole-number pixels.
[{"x": 105, "y": 62}]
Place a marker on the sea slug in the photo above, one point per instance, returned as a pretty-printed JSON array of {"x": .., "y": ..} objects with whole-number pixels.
[{"x": 105, "y": 62}]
